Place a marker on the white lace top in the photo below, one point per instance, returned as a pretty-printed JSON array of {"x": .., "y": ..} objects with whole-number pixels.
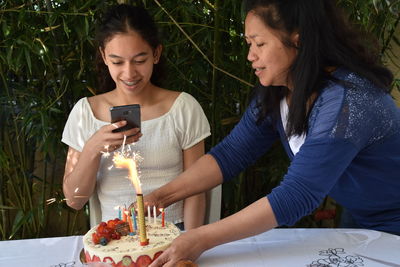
[
  {"x": 295, "y": 142},
  {"x": 161, "y": 145}
]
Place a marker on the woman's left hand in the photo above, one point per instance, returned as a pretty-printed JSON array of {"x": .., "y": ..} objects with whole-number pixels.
[{"x": 188, "y": 246}]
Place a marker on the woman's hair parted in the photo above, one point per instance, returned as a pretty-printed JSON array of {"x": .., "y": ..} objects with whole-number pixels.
[
  {"x": 326, "y": 39},
  {"x": 119, "y": 19}
]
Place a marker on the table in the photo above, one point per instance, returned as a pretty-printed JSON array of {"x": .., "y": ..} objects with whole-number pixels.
[{"x": 275, "y": 248}]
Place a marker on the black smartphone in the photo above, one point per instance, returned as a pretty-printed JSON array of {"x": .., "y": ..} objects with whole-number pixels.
[{"x": 129, "y": 113}]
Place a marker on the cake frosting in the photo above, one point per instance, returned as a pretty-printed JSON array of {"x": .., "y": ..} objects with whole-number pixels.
[{"x": 127, "y": 250}]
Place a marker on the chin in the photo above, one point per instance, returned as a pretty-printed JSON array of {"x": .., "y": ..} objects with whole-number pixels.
[{"x": 265, "y": 83}]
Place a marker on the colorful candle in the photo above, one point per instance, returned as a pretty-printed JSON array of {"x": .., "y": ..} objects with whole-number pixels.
[
  {"x": 142, "y": 225},
  {"x": 130, "y": 224},
  {"x": 124, "y": 215},
  {"x": 134, "y": 219},
  {"x": 119, "y": 213},
  {"x": 148, "y": 214},
  {"x": 155, "y": 214},
  {"x": 162, "y": 217}
]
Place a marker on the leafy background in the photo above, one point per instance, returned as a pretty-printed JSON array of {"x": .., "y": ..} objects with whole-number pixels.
[{"x": 46, "y": 65}]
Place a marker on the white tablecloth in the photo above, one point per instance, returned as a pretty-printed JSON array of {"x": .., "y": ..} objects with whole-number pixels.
[{"x": 275, "y": 248}]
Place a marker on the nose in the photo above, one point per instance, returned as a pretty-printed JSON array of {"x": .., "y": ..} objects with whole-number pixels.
[
  {"x": 251, "y": 56},
  {"x": 130, "y": 69}
]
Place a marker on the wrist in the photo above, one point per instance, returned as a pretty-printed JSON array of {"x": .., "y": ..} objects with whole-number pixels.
[
  {"x": 206, "y": 240},
  {"x": 92, "y": 146},
  {"x": 91, "y": 152},
  {"x": 157, "y": 195}
]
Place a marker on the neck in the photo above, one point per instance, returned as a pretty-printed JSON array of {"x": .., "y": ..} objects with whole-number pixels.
[{"x": 144, "y": 97}]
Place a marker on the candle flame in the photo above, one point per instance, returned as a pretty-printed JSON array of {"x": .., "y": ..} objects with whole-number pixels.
[{"x": 130, "y": 163}]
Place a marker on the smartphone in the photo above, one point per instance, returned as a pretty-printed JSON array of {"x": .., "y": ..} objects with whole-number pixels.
[{"x": 129, "y": 113}]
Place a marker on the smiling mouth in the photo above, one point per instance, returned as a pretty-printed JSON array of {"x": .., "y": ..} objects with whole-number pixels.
[{"x": 131, "y": 83}]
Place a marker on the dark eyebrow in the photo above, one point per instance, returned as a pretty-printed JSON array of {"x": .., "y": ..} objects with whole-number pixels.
[
  {"x": 138, "y": 55},
  {"x": 251, "y": 36}
]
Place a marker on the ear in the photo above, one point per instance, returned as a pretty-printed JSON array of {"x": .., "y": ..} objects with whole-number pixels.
[
  {"x": 103, "y": 55},
  {"x": 295, "y": 39},
  {"x": 157, "y": 54}
]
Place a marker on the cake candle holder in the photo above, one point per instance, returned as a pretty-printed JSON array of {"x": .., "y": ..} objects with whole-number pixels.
[{"x": 144, "y": 241}]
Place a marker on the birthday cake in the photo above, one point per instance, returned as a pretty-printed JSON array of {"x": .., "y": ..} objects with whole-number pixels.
[{"x": 112, "y": 242}]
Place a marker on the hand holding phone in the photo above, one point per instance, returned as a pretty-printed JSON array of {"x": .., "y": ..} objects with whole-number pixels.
[{"x": 129, "y": 113}]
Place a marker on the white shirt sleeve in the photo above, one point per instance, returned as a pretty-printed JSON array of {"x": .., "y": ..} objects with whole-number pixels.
[
  {"x": 190, "y": 121},
  {"x": 79, "y": 126}
]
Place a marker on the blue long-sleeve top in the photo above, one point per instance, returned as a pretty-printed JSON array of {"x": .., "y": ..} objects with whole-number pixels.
[{"x": 351, "y": 152}]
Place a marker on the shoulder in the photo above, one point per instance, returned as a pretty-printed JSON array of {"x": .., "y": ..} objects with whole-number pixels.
[
  {"x": 349, "y": 107},
  {"x": 186, "y": 98},
  {"x": 80, "y": 106},
  {"x": 186, "y": 110},
  {"x": 100, "y": 104},
  {"x": 98, "y": 101},
  {"x": 185, "y": 102}
]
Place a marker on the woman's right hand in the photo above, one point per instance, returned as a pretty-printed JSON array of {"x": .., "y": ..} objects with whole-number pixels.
[
  {"x": 105, "y": 140},
  {"x": 149, "y": 200}
]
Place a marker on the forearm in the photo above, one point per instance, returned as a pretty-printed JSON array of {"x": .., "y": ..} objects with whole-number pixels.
[
  {"x": 194, "y": 211},
  {"x": 203, "y": 175},
  {"x": 252, "y": 220},
  {"x": 80, "y": 180}
]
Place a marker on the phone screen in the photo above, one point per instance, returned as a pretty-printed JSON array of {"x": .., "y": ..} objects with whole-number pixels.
[{"x": 130, "y": 113}]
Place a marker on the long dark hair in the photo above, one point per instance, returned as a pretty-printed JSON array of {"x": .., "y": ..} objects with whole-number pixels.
[
  {"x": 122, "y": 19},
  {"x": 325, "y": 40}
]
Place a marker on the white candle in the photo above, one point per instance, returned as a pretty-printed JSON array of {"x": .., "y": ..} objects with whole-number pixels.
[
  {"x": 155, "y": 214},
  {"x": 148, "y": 214}
]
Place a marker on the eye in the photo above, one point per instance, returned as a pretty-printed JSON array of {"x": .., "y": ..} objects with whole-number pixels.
[
  {"x": 139, "y": 61},
  {"x": 260, "y": 45},
  {"x": 116, "y": 63}
]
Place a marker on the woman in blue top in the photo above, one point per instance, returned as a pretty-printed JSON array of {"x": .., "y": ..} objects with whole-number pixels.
[{"x": 327, "y": 98}]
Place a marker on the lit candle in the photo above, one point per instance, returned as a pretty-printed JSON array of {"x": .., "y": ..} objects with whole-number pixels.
[
  {"x": 162, "y": 217},
  {"x": 126, "y": 162},
  {"x": 134, "y": 218},
  {"x": 148, "y": 214},
  {"x": 155, "y": 214}
]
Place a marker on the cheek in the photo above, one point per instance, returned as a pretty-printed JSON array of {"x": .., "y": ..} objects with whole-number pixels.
[
  {"x": 146, "y": 70},
  {"x": 114, "y": 71},
  {"x": 111, "y": 70}
]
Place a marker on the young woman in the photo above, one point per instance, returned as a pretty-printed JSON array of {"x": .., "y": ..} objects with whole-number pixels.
[
  {"x": 172, "y": 131},
  {"x": 326, "y": 97}
]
